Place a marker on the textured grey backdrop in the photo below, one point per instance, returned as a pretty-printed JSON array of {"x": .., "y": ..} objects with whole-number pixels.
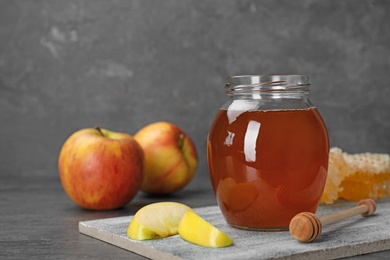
[{"x": 67, "y": 65}]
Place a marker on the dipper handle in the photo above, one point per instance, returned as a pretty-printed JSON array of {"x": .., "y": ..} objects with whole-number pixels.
[{"x": 307, "y": 227}]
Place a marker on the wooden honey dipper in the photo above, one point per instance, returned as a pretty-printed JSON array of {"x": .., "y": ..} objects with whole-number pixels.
[{"x": 307, "y": 227}]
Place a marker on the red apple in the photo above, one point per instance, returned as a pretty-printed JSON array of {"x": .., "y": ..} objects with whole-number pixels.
[
  {"x": 100, "y": 169},
  {"x": 170, "y": 158}
]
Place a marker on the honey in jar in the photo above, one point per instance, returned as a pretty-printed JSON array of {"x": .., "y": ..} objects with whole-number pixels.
[{"x": 267, "y": 152}]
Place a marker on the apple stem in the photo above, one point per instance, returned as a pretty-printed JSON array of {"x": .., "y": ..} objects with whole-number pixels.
[
  {"x": 181, "y": 140},
  {"x": 100, "y": 130}
]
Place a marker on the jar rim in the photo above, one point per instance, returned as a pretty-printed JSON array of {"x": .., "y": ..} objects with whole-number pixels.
[{"x": 267, "y": 83}]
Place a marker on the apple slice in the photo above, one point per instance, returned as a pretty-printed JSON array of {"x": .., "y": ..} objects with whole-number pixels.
[
  {"x": 196, "y": 230},
  {"x": 156, "y": 220}
]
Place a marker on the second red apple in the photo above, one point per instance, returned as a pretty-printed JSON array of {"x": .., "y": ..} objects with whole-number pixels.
[{"x": 170, "y": 158}]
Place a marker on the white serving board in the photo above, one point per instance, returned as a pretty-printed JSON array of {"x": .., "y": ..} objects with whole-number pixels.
[{"x": 353, "y": 236}]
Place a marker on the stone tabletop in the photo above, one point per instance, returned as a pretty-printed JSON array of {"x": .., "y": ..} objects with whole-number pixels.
[{"x": 38, "y": 221}]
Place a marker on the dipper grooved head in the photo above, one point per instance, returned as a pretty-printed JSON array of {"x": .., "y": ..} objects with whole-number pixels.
[{"x": 305, "y": 227}]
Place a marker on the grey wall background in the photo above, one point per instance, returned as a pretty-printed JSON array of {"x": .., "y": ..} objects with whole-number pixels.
[{"x": 67, "y": 65}]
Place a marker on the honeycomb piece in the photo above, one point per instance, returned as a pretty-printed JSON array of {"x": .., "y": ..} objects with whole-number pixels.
[
  {"x": 356, "y": 176},
  {"x": 370, "y": 177},
  {"x": 372, "y": 163},
  {"x": 337, "y": 170}
]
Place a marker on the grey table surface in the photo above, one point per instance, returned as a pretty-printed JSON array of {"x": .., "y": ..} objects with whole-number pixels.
[{"x": 38, "y": 221}]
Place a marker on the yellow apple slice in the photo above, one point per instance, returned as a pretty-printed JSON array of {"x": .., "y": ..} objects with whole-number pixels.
[
  {"x": 196, "y": 230},
  {"x": 156, "y": 220}
]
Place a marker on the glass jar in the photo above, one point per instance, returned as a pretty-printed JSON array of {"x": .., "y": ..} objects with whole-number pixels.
[{"x": 267, "y": 152}]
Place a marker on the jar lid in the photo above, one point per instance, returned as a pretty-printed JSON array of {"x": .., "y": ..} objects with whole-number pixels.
[{"x": 267, "y": 83}]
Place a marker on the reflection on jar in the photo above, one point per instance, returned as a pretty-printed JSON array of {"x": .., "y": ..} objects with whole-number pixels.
[{"x": 236, "y": 196}]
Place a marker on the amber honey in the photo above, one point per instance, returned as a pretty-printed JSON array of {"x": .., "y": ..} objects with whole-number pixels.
[{"x": 267, "y": 166}]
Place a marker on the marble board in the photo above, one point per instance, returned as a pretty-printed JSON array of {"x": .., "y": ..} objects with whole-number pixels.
[{"x": 353, "y": 236}]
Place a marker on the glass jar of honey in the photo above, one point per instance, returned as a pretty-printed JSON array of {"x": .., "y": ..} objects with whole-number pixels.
[{"x": 267, "y": 152}]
